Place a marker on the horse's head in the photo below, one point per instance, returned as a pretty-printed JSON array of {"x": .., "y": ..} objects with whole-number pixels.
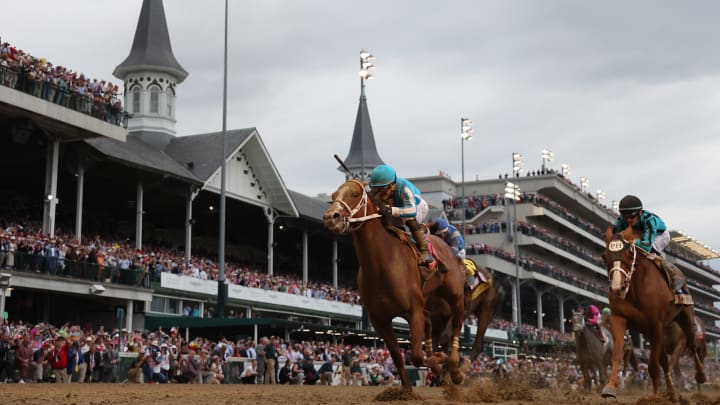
[
  {"x": 350, "y": 207},
  {"x": 620, "y": 258}
]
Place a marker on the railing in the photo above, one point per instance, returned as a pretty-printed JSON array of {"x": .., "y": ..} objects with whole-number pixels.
[
  {"x": 62, "y": 95},
  {"x": 81, "y": 270}
]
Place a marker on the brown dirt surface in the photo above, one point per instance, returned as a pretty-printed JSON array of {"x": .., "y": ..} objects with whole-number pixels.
[{"x": 474, "y": 393}]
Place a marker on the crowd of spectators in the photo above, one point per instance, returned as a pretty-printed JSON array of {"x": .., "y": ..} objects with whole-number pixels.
[
  {"x": 539, "y": 266},
  {"x": 60, "y": 85},
  {"x": 24, "y": 248}
]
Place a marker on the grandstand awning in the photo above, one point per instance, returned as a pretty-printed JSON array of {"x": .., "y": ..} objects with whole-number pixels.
[{"x": 698, "y": 249}]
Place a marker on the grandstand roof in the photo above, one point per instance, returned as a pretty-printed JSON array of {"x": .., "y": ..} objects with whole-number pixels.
[
  {"x": 202, "y": 151},
  {"x": 362, "y": 147},
  {"x": 697, "y": 249},
  {"x": 309, "y": 207},
  {"x": 137, "y": 153},
  {"x": 151, "y": 49}
]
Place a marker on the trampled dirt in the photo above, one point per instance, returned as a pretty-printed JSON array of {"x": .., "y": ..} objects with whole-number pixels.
[{"x": 474, "y": 393}]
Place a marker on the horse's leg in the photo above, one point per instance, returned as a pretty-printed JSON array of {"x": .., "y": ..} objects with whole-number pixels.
[
  {"x": 668, "y": 376},
  {"x": 618, "y": 325},
  {"x": 385, "y": 331},
  {"x": 487, "y": 305},
  {"x": 417, "y": 329},
  {"x": 428, "y": 334},
  {"x": 686, "y": 320},
  {"x": 457, "y": 321},
  {"x": 656, "y": 352}
]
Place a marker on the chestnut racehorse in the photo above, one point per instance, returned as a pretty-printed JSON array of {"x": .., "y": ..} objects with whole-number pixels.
[
  {"x": 481, "y": 304},
  {"x": 640, "y": 298},
  {"x": 389, "y": 279}
]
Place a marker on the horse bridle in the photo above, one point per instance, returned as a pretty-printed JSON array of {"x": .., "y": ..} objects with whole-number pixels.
[
  {"x": 349, "y": 220},
  {"x": 616, "y": 247}
]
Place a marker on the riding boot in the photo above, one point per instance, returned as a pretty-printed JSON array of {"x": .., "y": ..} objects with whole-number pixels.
[
  {"x": 677, "y": 282},
  {"x": 422, "y": 245}
]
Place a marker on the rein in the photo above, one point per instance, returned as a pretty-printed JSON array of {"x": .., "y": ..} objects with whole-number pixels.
[{"x": 352, "y": 223}]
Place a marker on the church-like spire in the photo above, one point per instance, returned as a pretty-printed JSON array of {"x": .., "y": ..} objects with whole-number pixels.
[
  {"x": 151, "y": 49},
  {"x": 363, "y": 155}
]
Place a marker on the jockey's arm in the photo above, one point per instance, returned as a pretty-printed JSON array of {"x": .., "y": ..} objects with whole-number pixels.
[{"x": 404, "y": 203}]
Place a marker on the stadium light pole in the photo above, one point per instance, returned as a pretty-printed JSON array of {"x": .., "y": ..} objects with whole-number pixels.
[
  {"x": 565, "y": 169},
  {"x": 366, "y": 69},
  {"x": 584, "y": 183},
  {"x": 465, "y": 135},
  {"x": 615, "y": 206},
  {"x": 600, "y": 195},
  {"x": 547, "y": 156},
  {"x": 512, "y": 192},
  {"x": 222, "y": 287}
]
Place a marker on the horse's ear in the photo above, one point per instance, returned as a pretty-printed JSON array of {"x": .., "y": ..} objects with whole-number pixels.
[{"x": 608, "y": 234}]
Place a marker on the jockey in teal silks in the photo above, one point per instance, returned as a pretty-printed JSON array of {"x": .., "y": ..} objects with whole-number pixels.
[
  {"x": 653, "y": 236},
  {"x": 406, "y": 204}
]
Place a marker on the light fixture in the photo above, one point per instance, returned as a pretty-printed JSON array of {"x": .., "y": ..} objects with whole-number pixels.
[
  {"x": 600, "y": 195},
  {"x": 465, "y": 135},
  {"x": 565, "y": 169},
  {"x": 584, "y": 183},
  {"x": 547, "y": 156},
  {"x": 517, "y": 164}
]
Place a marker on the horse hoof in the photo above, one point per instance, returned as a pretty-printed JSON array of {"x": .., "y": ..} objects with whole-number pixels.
[
  {"x": 609, "y": 392},
  {"x": 457, "y": 377}
]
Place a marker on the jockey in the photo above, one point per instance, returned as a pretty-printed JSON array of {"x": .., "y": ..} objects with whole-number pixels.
[
  {"x": 592, "y": 316},
  {"x": 654, "y": 235},
  {"x": 605, "y": 317},
  {"x": 406, "y": 204},
  {"x": 450, "y": 235}
]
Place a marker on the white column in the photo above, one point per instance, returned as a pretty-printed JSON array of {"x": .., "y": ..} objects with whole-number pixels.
[
  {"x": 270, "y": 215},
  {"x": 516, "y": 318},
  {"x": 79, "y": 202},
  {"x": 2, "y": 302},
  {"x": 201, "y": 308},
  {"x": 335, "y": 263},
  {"x": 539, "y": 294},
  {"x": 139, "y": 216},
  {"x": 561, "y": 312},
  {"x": 50, "y": 197},
  {"x": 129, "y": 316},
  {"x": 305, "y": 257}
]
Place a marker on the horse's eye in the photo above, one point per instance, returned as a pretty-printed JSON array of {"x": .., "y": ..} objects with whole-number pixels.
[{"x": 356, "y": 195}]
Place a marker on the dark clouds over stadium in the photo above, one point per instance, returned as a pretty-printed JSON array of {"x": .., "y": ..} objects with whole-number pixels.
[{"x": 626, "y": 93}]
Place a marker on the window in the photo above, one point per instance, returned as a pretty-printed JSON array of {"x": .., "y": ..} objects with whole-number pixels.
[
  {"x": 154, "y": 100},
  {"x": 165, "y": 305},
  {"x": 136, "y": 100},
  {"x": 170, "y": 103}
]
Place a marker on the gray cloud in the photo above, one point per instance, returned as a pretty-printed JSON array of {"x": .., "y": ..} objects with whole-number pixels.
[{"x": 624, "y": 92}]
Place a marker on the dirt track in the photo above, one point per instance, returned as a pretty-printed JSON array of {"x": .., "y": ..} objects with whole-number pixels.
[{"x": 283, "y": 394}]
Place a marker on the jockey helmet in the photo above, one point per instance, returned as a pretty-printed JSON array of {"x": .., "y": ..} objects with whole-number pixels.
[
  {"x": 606, "y": 311},
  {"x": 382, "y": 175},
  {"x": 630, "y": 205},
  {"x": 593, "y": 310},
  {"x": 441, "y": 225}
]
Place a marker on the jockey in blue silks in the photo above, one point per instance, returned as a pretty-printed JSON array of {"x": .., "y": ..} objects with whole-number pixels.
[
  {"x": 653, "y": 236},
  {"x": 406, "y": 204},
  {"x": 450, "y": 235}
]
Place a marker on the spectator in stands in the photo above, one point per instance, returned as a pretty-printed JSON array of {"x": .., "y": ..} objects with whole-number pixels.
[
  {"x": 271, "y": 356},
  {"x": 249, "y": 374},
  {"x": 59, "y": 359},
  {"x": 326, "y": 371},
  {"x": 405, "y": 202},
  {"x": 310, "y": 374},
  {"x": 285, "y": 372},
  {"x": 135, "y": 374}
]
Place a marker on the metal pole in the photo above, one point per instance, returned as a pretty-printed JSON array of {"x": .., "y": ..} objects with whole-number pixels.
[
  {"x": 362, "y": 140},
  {"x": 220, "y": 313},
  {"x": 139, "y": 216},
  {"x": 2, "y": 304},
  {"x": 517, "y": 260},
  {"x": 462, "y": 179}
]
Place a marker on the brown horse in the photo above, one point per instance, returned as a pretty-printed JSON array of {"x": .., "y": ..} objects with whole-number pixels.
[
  {"x": 481, "y": 302},
  {"x": 676, "y": 346},
  {"x": 640, "y": 298},
  {"x": 389, "y": 279}
]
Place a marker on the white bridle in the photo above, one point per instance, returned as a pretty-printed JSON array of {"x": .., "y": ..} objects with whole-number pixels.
[
  {"x": 616, "y": 267},
  {"x": 350, "y": 219}
]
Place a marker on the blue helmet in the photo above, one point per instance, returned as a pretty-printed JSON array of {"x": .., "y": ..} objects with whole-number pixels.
[
  {"x": 382, "y": 176},
  {"x": 441, "y": 225}
]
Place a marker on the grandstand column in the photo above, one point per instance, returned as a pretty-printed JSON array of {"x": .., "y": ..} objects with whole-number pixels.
[
  {"x": 189, "y": 223},
  {"x": 539, "y": 293},
  {"x": 305, "y": 258},
  {"x": 516, "y": 310},
  {"x": 51, "y": 200},
  {"x": 129, "y": 315},
  {"x": 79, "y": 202},
  {"x": 270, "y": 215},
  {"x": 561, "y": 312},
  {"x": 139, "y": 216},
  {"x": 335, "y": 263}
]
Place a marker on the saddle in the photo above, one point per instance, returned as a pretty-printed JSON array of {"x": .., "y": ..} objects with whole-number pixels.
[
  {"x": 476, "y": 280},
  {"x": 667, "y": 271},
  {"x": 406, "y": 238}
]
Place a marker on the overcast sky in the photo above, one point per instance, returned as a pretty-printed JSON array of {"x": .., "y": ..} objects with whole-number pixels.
[{"x": 626, "y": 93}]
